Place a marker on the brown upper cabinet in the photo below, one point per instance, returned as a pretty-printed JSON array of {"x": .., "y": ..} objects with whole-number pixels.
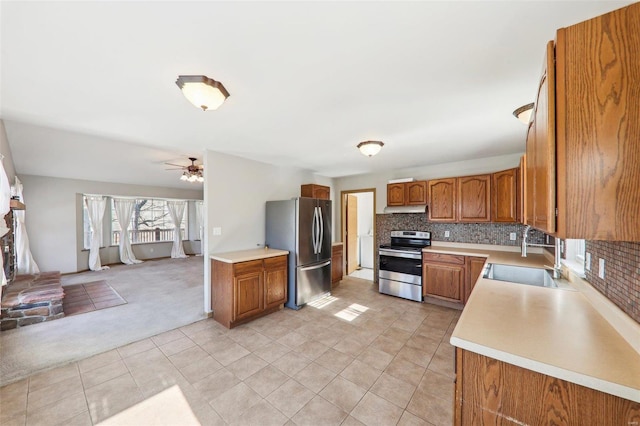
[
  {"x": 474, "y": 198},
  {"x": 443, "y": 200},
  {"x": 582, "y": 149},
  {"x": 505, "y": 193},
  {"x": 407, "y": 193},
  {"x": 315, "y": 191}
]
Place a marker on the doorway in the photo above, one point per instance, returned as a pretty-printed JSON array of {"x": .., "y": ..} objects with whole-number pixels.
[{"x": 358, "y": 231}]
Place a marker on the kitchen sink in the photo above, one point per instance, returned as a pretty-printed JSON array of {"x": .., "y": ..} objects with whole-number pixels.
[{"x": 521, "y": 275}]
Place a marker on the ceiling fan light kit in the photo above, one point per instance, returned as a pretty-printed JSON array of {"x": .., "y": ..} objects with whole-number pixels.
[
  {"x": 203, "y": 92},
  {"x": 370, "y": 148},
  {"x": 192, "y": 173},
  {"x": 524, "y": 113}
]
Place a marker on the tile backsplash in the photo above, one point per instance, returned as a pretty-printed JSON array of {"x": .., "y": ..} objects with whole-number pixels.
[{"x": 621, "y": 283}]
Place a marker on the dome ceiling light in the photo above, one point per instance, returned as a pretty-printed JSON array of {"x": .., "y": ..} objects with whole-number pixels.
[
  {"x": 524, "y": 113},
  {"x": 370, "y": 148},
  {"x": 202, "y": 91}
]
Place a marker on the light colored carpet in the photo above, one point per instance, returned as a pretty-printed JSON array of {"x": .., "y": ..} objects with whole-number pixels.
[{"x": 161, "y": 294}]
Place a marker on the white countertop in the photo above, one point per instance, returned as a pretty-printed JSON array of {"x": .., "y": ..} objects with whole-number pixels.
[
  {"x": 551, "y": 331},
  {"x": 247, "y": 255}
]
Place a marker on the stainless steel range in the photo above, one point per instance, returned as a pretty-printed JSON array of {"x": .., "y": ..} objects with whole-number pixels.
[{"x": 400, "y": 271}]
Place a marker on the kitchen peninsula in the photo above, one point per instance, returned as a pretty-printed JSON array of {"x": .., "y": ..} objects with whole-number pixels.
[{"x": 247, "y": 284}]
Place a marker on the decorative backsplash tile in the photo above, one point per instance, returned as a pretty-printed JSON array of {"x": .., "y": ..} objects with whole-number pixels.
[{"x": 622, "y": 273}]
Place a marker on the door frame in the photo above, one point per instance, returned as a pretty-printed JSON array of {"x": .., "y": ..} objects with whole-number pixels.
[{"x": 343, "y": 216}]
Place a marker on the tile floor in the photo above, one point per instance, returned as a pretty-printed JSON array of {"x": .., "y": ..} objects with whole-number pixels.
[
  {"x": 363, "y": 273},
  {"x": 356, "y": 357}
]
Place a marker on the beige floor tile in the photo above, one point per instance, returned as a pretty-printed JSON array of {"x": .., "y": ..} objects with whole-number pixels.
[
  {"x": 112, "y": 397},
  {"x": 335, "y": 361},
  {"x": 405, "y": 370},
  {"x": 160, "y": 370},
  {"x": 388, "y": 345},
  {"x": 136, "y": 348},
  {"x": 437, "y": 411},
  {"x": 145, "y": 359},
  {"x": 217, "y": 344},
  {"x": 200, "y": 369},
  {"x": 407, "y": 324},
  {"x": 230, "y": 354},
  {"x": 254, "y": 342},
  {"x": 13, "y": 401},
  {"x": 397, "y": 334},
  {"x": 235, "y": 401},
  {"x": 436, "y": 384},
  {"x": 272, "y": 351},
  {"x": 415, "y": 356},
  {"x": 361, "y": 374},
  {"x": 52, "y": 393},
  {"x": 15, "y": 389},
  {"x": 196, "y": 327},
  {"x": 19, "y": 420},
  {"x": 82, "y": 419},
  {"x": 261, "y": 414},
  {"x": 206, "y": 335},
  {"x": 373, "y": 410},
  {"x": 292, "y": 339},
  {"x": 103, "y": 374},
  {"x": 311, "y": 349},
  {"x": 46, "y": 378},
  {"x": 442, "y": 363},
  {"x": 350, "y": 346},
  {"x": 189, "y": 356},
  {"x": 423, "y": 343},
  {"x": 315, "y": 377},
  {"x": 176, "y": 346},
  {"x": 366, "y": 337},
  {"x": 216, "y": 384},
  {"x": 328, "y": 337},
  {"x": 166, "y": 337},
  {"x": 343, "y": 393},
  {"x": 266, "y": 380},
  {"x": 276, "y": 331},
  {"x": 291, "y": 363},
  {"x": 409, "y": 419},
  {"x": 319, "y": 411},
  {"x": 246, "y": 366},
  {"x": 352, "y": 421},
  {"x": 393, "y": 390},
  {"x": 58, "y": 412},
  {"x": 98, "y": 361},
  {"x": 375, "y": 358},
  {"x": 427, "y": 331},
  {"x": 290, "y": 397}
]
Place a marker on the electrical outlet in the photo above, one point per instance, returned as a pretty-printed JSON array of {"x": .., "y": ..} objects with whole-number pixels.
[
  {"x": 601, "y": 268},
  {"x": 512, "y": 236},
  {"x": 587, "y": 262},
  {"x": 217, "y": 231},
  {"x": 446, "y": 234}
]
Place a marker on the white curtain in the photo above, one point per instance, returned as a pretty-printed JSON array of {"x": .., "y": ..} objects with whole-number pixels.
[
  {"x": 200, "y": 221},
  {"x": 5, "y": 196},
  {"x": 124, "y": 210},
  {"x": 24, "y": 258},
  {"x": 176, "y": 211},
  {"x": 95, "y": 206}
]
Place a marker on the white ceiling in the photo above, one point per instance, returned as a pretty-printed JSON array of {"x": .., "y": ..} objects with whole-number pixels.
[{"x": 86, "y": 85}]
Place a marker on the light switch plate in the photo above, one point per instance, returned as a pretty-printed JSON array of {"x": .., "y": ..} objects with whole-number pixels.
[
  {"x": 217, "y": 231},
  {"x": 446, "y": 234},
  {"x": 587, "y": 262},
  {"x": 512, "y": 236},
  {"x": 601, "y": 268}
]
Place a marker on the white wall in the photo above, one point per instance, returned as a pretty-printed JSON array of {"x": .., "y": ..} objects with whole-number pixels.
[
  {"x": 235, "y": 193},
  {"x": 54, "y": 219},
  {"x": 5, "y": 150}
]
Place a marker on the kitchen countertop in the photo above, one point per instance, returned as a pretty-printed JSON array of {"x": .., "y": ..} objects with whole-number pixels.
[
  {"x": 556, "y": 332},
  {"x": 247, "y": 255},
  {"x": 337, "y": 243}
]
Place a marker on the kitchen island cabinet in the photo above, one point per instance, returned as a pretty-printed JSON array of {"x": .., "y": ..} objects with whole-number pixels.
[{"x": 247, "y": 284}]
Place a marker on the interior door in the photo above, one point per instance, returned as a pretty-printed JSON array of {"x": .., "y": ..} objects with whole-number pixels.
[{"x": 352, "y": 233}]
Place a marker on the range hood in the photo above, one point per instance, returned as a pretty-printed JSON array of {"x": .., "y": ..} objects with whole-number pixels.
[{"x": 405, "y": 209}]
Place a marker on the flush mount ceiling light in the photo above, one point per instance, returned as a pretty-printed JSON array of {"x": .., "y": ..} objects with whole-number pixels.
[
  {"x": 524, "y": 113},
  {"x": 202, "y": 91},
  {"x": 370, "y": 148}
]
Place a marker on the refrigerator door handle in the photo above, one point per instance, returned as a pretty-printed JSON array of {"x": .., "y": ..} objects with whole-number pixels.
[
  {"x": 314, "y": 231},
  {"x": 318, "y": 230},
  {"x": 320, "y": 265},
  {"x": 321, "y": 237}
]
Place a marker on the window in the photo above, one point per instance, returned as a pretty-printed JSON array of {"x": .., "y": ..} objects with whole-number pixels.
[
  {"x": 150, "y": 222},
  {"x": 574, "y": 253}
]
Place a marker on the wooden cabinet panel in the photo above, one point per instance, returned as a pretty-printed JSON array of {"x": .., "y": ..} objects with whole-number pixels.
[
  {"x": 445, "y": 281},
  {"x": 504, "y": 196},
  {"x": 442, "y": 200},
  {"x": 474, "y": 198},
  {"x": 522, "y": 205},
  {"x": 395, "y": 194},
  {"x": 315, "y": 191},
  {"x": 337, "y": 264},
  {"x": 416, "y": 193},
  {"x": 275, "y": 287},
  {"x": 248, "y": 295},
  {"x": 488, "y": 391},
  {"x": 454, "y": 259},
  {"x": 474, "y": 265}
]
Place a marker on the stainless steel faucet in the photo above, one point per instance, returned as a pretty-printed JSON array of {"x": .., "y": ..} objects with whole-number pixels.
[{"x": 557, "y": 267}]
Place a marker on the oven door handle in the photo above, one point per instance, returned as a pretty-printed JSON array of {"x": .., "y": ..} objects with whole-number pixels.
[{"x": 393, "y": 253}]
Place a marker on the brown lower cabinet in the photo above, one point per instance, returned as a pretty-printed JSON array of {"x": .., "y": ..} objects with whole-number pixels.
[
  {"x": 474, "y": 267},
  {"x": 492, "y": 392},
  {"x": 450, "y": 277},
  {"x": 337, "y": 262},
  {"x": 243, "y": 291}
]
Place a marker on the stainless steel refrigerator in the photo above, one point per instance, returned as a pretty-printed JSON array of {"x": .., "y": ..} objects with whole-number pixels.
[{"x": 302, "y": 226}]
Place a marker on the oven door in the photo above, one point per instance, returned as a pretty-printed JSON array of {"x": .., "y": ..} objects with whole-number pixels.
[
  {"x": 400, "y": 274},
  {"x": 401, "y": 262}
]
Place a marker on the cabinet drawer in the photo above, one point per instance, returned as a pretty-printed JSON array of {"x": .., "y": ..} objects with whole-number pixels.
[
  {"x": 275, "y": 262},
  {"x": 249, "y": 267},
  {"x": 443, "y": 258}
]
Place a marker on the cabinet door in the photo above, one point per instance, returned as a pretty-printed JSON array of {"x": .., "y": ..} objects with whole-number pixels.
[
  {"x": 248, "y": 295},
  {"x": 442, "y": 200},
  {"x": 504, "y": 196},
  {"x": 474, "y": 198},
  {"x": 445, "y": 281},
  {"x": 395, "y": 194},
  {"x": 474, "y": 269},
  {"x": 321, "y": 192},
  {"x": 336, "y": 265},
  {"x": 275, "y": 283},
  {"x": 416, "y": 193}
]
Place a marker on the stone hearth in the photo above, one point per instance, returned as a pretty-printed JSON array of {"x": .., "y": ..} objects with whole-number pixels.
[{"x": 31, "y": 299}]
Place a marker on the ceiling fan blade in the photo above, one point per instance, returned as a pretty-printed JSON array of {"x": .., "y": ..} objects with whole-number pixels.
[
  {"x": 176, "y": 165},
  {"x": 181, "y": 168}
]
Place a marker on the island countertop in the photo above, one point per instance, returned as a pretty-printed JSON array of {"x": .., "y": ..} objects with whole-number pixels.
[
  {"x": 247, "y": 255},
  {"x": 557, "y": 332}
]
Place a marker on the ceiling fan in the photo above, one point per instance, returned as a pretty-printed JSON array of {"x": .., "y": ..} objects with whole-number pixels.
[{"x": 192, "y": 173}]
